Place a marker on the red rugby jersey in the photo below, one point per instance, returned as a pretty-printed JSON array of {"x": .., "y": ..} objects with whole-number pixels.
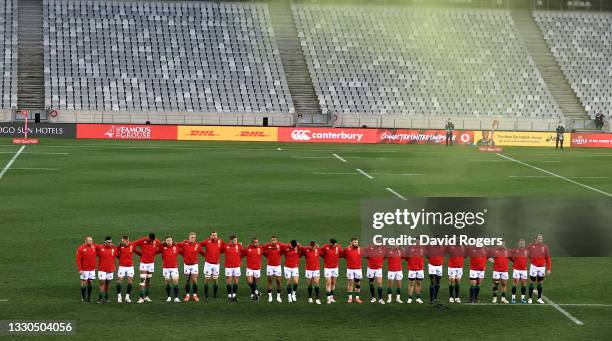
[
  {"x": 253, "y": 256},
  {"x": 273, "y": 253},
  {"x": 106, "y": 257},
  {"x": 86, "y": 257},
  {"x": 352, "y": 256},
  {"x": 233, "y": 255},
  {"x": 519, "y": 258},
  {"x": 435, "y": 254},
  {"x": 148, "y": 249},
  {"x": 331, "y": 255},
  {"x": 292, "y": 256},
  {"x": 500, "y": 259},
  {"x": 190, "y": 251},
  {"x": 126, "y": 254},
  {"x": 539, "y": 255},
  {"x": 394, "y": 259},
  {"x": 312, "y": 255},
  {"x": 375, "y": 256},
  {"x": 456, "y": 256},
  {"x": 169, "y": 255},
  {"x": 416, "y": 259},
  {"x": 213, "y": 250},
  {"x": 478, "y": 258}
]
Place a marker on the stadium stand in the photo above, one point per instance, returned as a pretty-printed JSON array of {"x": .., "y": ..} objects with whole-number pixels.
[
  {"x": 162, "y": 57},
  {"x": 394, "y": 60},
  {"x": 582, "y": 45},
  {"x": 8, "y": 64}
]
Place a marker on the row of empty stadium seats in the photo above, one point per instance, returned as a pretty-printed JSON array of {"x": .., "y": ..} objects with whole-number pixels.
[
  {"x": 8, "y": 59},
  {"x": 398, "y": 60},
  {"x": 193, "y": 56},
  {"x": 582, "y": 45}
]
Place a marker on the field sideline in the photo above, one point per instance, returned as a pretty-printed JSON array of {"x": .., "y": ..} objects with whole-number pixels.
[{"x": 55, "y": 193}]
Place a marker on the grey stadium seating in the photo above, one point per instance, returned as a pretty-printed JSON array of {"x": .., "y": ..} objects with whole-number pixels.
[
  {"x": 394, "y": 60},
  {"x": 8, "y": 62},
  {"x": 162, "y": 56},
  {"x": 582, "y": 45}
]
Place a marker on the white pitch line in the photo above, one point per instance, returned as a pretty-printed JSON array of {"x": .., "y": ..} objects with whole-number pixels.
[
  {"x": 10, "y": 163},
  {"x": 364, "y": 173},
  {"x": 396, "y": 194},
  {"x": 310, "y": 157},
  {"x": 3, "y": 300},
  {"x": 557, "y": 175},
  {"x": 563, "y": 311},
  {"x": 550, "y": 176},
  {"x": 339, "y": 157},
  {"x": 334, "y": 173},
  {"x": 398, "y": 174},
  {"x": 39, "y": 153},
  {"x": 546, "y": 305},
  {"x": 45, "y": 169}
]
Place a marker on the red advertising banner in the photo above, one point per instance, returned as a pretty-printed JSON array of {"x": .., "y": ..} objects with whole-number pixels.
[
  {"x": 423, "y": 136},
  {"x": 327, "y": 135},
  {"x": 599, "y": 140},
  {"x": 126, "y": 132}
]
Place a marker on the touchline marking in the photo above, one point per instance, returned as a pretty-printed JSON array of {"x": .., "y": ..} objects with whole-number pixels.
[
  {"x": 39, "y": 153},
  {"x": 310, "y": 157},
  {"x": 45, "y": 169},
  {"x": 398, "y": 174},
  {"x": 545, "y": 305},
  {"x": 550, "y": 176},
  {"x": 338, "y": 157},
  {"x": 557, "y": 175},
  {"x": 3, "y": 300},
  {"x": 364, "y": 173},
  {"x": 10, "y": 163},
  {"x": 396, "y": 194},
  {"x": 563, "y": 311},
  {"x": 334, "y": 173}
]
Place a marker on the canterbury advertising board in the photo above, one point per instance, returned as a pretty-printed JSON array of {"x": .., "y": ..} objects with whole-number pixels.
[
  {"x": 522, "y": 138},
  {"x": 219, "y": 133},
  {"x": 327, "y": 135},
  {"x": 126, "y": 132},
  {"x": 423, "y": 136},
  {"x": 599, "y": 140}
]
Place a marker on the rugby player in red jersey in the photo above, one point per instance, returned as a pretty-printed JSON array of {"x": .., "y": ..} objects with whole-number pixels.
[
  {"x": 126, "y": 251},
  {"x": 435, "y": 258},
  {"x": 519, "y": 270},
  {"x": 416, "y": 265},
  {"x": 500, "y": 272},
  {"x": 478, "y": 266},
  {"x": 148, "y": 247},
  {"x": 539, "y": 257},
  {"x": 190, "y": 249},
  {"x": 170, "y": 251},
  {"x": 253, "y": 253},
  {"x": 213, "y": 246},
  {"x": 272, "y": 252},
  {"x": 331, "y": 255},
  {"x": 313, "y": 270},
  {"x": 86, "y": 266},
  {"x": 456, "y": 255},
  {"x": 375, "y": 254},
  {"x": 292, "y": 272},
  {"x": 395, "y": 257},
  {"x": 352, "y": 254},
  {"x": 233, "y": 258},
  {"x": 107, "y": 253}
]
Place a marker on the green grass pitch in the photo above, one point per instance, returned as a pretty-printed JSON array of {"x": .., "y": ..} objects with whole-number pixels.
[{"x": 61, "y": 190}]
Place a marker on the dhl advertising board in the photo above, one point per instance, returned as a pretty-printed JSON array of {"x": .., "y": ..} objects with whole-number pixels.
[{"x": 220, "y": 133}]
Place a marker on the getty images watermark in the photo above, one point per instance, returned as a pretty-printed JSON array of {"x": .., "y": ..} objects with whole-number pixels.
[{"x": 572, "y": 226}]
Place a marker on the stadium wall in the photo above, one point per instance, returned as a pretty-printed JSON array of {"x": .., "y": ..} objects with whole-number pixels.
[{"x": 302, "y": 135}]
